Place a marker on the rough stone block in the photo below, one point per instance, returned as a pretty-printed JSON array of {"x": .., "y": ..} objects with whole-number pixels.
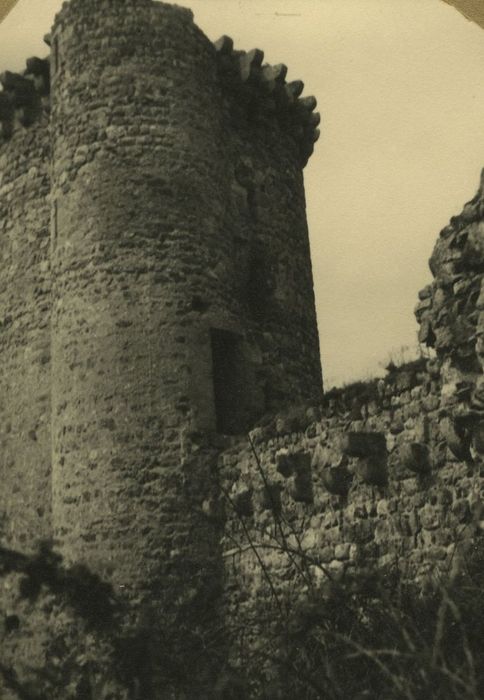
[
  {"x": 429, "y": 517},
  {"x": 284, "y": 463},
  {"x": 360, "y": 532},
  {"x": 413, "y": 522},
  {"x": 384, "y": 531},
  {"x": 415, "y": 457},
  {"x": 269, "y": 498},
  {"x": 457, "y": 441},
  {"x": 242, "y": 502},
  {"x": 213, "y": 509},
  {"x": 309, "y": 103},
  {"x": 478, "y": 437},
  {"x": 315, "y": 119},
  {"x": 40, "y": 70},
  {"x": 249, "y": 62},
  {"x": 326, "y": 554},
  {"x": 6, "y": 107},
  {"x": 382, "y": 507},
  {"x": 462, "y": 510},
  {"x": 360, "y": 444},
  {"x": 274, "y": 75},
  {"x": 302, "y": 489},
  {"x": 294, "y": 88},
  {"x": 309, "y": 540},
  {"x": 342, "y": 551},
  {"x": 372, "y": 470},
  {"x": 337, "y": 480},
  {"x": 337, "y": 569},
  {"x": 224, "y": 45}
]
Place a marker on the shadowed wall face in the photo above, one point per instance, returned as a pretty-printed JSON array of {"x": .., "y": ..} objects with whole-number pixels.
[
  {"x": 25, "y": 338},
  {"x": 270, "y": 135},
  {"x": 25, "y": 334}
]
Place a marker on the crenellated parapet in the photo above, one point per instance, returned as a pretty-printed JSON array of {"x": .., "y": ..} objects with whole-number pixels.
[
  {"x": 25, "y": 96},
  {"x": 262, "y": 89}
]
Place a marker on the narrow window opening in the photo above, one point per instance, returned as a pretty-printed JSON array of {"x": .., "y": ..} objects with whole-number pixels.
[
  {"x": 229, "y": 382},
  {"x": 260, "y": 285}
]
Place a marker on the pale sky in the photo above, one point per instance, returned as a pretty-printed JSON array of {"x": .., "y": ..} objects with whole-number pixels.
[{"x": 400, "y": 88}]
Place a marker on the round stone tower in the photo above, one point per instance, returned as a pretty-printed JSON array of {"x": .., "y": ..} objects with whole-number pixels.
[
  {"x": 182, "y": 290},
  {"x": 139, "y": 183}
]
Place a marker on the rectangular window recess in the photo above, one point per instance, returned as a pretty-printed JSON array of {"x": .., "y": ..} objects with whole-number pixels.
[{"x": 229, "y": 382}]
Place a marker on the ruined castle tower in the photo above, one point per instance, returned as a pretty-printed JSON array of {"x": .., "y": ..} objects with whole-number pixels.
[
  {"x": 156, "y": 285},
  {"x": 160, "y": 382}
]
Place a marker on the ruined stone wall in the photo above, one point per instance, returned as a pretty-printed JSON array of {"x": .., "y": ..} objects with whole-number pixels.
[
  {"x": 450, "y": 308},
  {"x": 377, "y": 479},
  {"x": 386, "y": 474}
]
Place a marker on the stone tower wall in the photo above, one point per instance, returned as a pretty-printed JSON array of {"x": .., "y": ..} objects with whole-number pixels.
[
  {"x": 156, "y": 294},
  {"x": 167, "y": 198},
  {"x": 182, "y": 300},
  {"x": 25, "y": 378},
  {"x": 270, "y": 132},
  {"x": 138, "y": 191},
  {"x": 25, "y": 501}
]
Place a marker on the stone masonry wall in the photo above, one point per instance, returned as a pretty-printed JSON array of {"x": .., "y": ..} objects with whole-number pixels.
[
  {"x": 156, "y": 303},
  {"x": 376, "y": 478},
  {"x": 25, "y": 378},
  {"x": 272, "y": 131},
  {"x": 384, "y": 474},
  {"x": 137, "y": 173},
  {"x": 24, "y": 317},
  {"x": 170, "y": 301}
]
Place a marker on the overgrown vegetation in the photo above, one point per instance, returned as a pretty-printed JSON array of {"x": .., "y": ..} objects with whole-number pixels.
[
  {"x": 368, "y": 635},
  {"x": 405, "y": 360},
  {"x": 375, "y": 637},
  {"x": 96, "y": 648},
  {"x": 371, "y": 635}
]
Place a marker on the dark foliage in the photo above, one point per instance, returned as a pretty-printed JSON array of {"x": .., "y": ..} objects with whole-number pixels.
[
  {"x": 375, "y": 636},
  {"x": 90, "y": 597}
]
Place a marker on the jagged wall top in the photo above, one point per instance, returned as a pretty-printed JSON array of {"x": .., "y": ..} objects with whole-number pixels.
[
  {"x": 450, "y": 310},
  {"x": 258, "y": 88}
]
